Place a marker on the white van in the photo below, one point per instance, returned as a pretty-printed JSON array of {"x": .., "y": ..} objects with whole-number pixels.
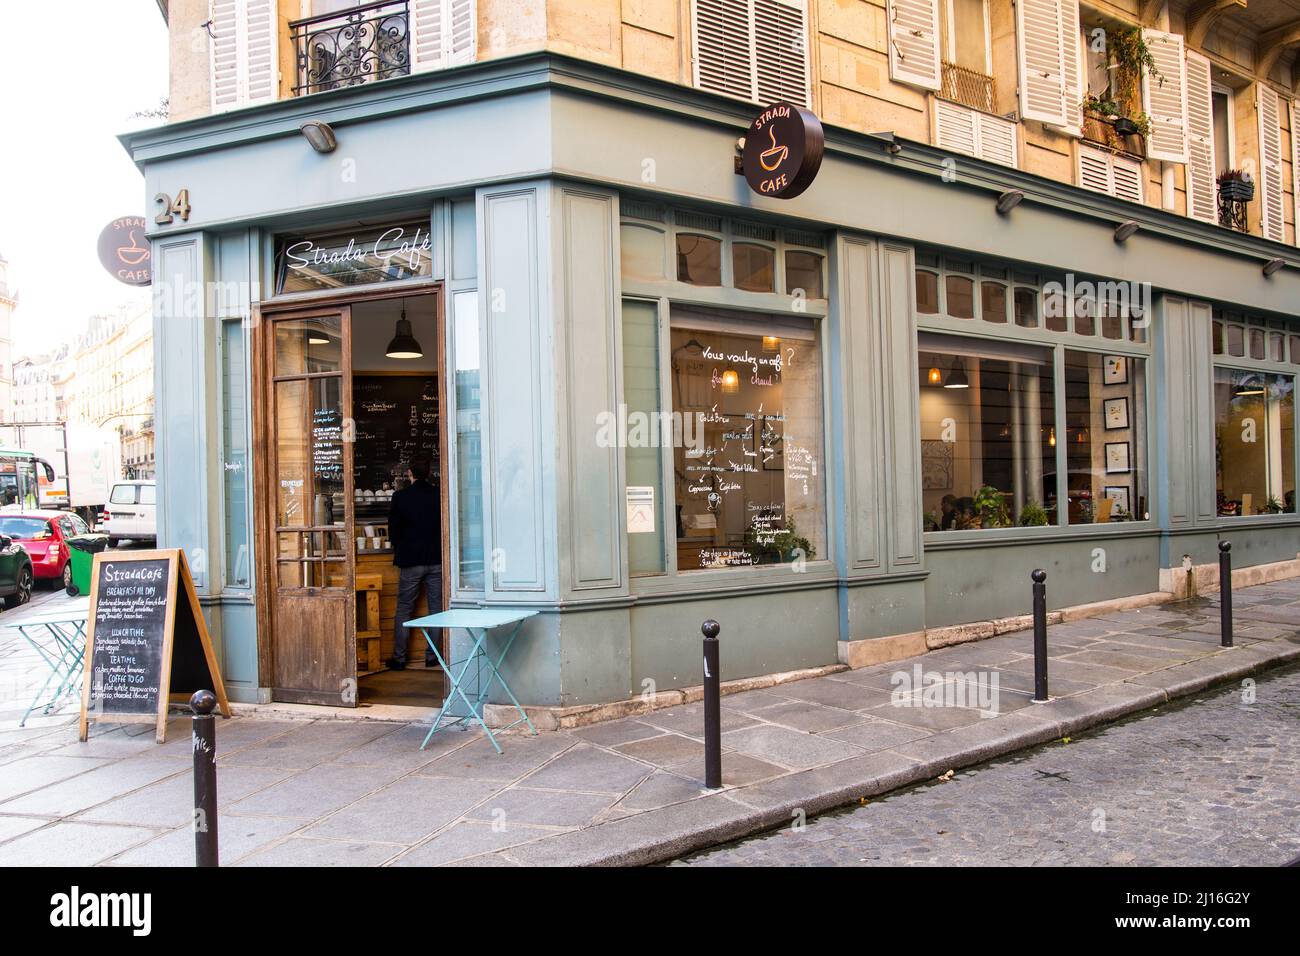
[{"x": 131, "y": 512}]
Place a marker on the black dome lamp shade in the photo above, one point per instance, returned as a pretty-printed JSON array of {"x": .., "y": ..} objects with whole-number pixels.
[{"x": 404, "y": 344}]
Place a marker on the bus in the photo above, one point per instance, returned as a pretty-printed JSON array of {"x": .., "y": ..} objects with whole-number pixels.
[{"x": 20, "y": 472}]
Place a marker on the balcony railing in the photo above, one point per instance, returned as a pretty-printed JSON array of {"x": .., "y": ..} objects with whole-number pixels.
[
  {"x": 968, "y": 88},
  {"x": 360, "y": 45}
]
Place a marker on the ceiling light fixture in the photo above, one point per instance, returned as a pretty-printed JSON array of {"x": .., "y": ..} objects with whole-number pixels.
[
  {"x": 1248, "y": 387},
  {"x": 957, "y": 377},
  {"x": 319, "y": 135},
  {"x": 730, "y": 381},
  {"x": 404, "y": 345},
  {"x": 935, "y": 376},
  {"x": 1009, "y": 200}
]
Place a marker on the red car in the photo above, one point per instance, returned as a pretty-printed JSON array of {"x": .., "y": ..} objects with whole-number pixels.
[{"x": 43, "y": 534}]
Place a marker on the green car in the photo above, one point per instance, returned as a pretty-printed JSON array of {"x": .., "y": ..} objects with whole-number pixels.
[{"x": 15, "y": 572}]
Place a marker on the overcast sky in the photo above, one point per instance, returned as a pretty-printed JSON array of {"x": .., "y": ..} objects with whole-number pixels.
[{"x": 67, "y": 88}]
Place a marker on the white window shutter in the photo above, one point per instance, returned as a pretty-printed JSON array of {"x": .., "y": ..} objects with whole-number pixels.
[
  {"x": 1072, "y": 67},
  {"x": 724, "y": 52},
  {"x": 1295, "y": 163},
  {"x": 781, "y": 52},
  {"x": 1165, "y": 100},
  {"x": 997, "y": 139},
  {"x": 1269, "y": 106},
  {"x": 441, "y": 33},
  {"x": 243, "y": 53},
  {"x": 1107, "y": 173},
  {"x": 1202, "y": 201},
  {"x": 954, "y": 127},
  {"x": 1042, "y": 60},
  {"x": 914, "y": 43}
]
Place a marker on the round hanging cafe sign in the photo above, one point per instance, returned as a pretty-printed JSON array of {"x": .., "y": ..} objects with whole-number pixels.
[
  {"x": 124, "y": 250},
  {"x": 783, "y": 151}
]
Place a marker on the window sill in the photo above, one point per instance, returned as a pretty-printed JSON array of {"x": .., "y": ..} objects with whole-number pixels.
[{"x": 1007, "y": 537}]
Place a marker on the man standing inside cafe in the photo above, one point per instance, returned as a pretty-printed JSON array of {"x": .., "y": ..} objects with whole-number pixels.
[{"x": 415, "y": 528}]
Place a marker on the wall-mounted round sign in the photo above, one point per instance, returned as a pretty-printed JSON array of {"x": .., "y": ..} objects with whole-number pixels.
[
  {"x": 124, "y": 250},
  {"x": 783, "y": 151}
]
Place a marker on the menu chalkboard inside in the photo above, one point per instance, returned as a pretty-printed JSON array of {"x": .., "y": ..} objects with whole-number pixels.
[
  {"x": 396, "y": 421},
  {"x": 147, "y": 642}
]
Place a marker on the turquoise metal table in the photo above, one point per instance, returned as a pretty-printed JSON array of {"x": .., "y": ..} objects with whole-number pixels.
[
  {"x": 59, "y": 639},
  {"x": 476, "y": 622}
]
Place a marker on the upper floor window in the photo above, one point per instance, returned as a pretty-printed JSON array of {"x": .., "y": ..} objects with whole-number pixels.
[
  {"x": 752, "y": 49},
  {"x": 967, "y": 61}
]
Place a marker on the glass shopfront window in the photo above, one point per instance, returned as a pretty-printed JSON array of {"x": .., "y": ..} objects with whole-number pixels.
[
  {"x": 988, "y": 433},
  {"x": 1254, "y": 442},
  {"x": 1105, "y": 437},
  {"x": 749, "y": 483}
]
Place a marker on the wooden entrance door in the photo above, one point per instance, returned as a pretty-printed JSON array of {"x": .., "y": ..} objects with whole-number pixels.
[{"x": 309, "y": 414}]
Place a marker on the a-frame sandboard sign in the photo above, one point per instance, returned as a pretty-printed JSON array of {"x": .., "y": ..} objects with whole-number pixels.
[{"x": 147, "y": 644}]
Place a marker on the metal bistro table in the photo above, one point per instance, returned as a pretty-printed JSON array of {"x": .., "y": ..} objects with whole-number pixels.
[
  {"x": 476, "y": 622},
  {"x": 59, "y": 638}
]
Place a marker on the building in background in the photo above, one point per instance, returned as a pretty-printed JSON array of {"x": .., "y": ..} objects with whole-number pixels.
[{"x": 8, "y": 302}]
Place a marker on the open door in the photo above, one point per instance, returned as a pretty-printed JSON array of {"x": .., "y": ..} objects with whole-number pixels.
[{"x": 313, "y": 607}]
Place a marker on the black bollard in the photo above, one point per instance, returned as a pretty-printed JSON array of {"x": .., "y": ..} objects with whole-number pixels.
[
  {"x": 204, "y": 744},
  {"x": 1225, "y": 593},
  {"x": 712, "y": 707},
  {"x": 1040, "y": 635}
]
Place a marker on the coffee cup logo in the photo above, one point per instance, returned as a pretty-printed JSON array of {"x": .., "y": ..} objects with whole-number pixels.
[{"x": 124, "y": 250}]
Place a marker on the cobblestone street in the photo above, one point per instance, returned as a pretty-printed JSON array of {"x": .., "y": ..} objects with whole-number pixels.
[{"x": 1209, "y": 781}]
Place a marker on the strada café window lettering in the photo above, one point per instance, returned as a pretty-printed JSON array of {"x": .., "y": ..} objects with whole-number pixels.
[
  {"x": 749, "y": 485},
  {"x": 361, "y": 257}
]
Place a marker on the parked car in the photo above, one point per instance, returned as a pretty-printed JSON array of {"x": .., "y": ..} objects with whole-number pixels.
[
  {"x": 15, "y": 572},
  {"x": 132, "y": 512},
  {"x": 44, "y": 535}
]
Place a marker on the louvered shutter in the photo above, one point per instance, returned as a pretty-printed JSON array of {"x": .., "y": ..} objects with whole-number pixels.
[
  {"x": 964, "y": 130},
  {"x": 1165, "y": 100},
  {"x": 724, "y": 52},
  {"x": 1107, "y": 173},
  {"x": 244, "y": 66},
  {"x": 1042, "y": 61},
  {"x": 914, "y": 43},
  {"x": 442, "y": 33},
  {"x": 1072, "y": 67},
  {"x": 1269, "y": 106},
  {"x": 1295, "y": 164},
  {"x": 781, "y": 52},
  {"x": 1201, "y": 199},
  {"x": 997, "y": 139}
]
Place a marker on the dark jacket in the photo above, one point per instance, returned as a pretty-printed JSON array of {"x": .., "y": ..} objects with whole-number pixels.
[{"x": 415, "y": 526}]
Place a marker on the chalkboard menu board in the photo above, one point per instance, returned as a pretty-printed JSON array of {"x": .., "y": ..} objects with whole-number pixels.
[
  {"x": 147, "y": 641},
  {"x": 327, "y": 445},
  {"x": 396, "y": 421}
]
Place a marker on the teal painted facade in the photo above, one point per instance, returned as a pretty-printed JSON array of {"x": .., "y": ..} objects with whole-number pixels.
[{"x": 523, "y": 167}]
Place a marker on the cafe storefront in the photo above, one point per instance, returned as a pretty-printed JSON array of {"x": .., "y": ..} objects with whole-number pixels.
[{"x": 842, "y": 406}]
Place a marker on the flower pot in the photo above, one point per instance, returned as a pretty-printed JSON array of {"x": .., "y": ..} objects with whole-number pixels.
[
  {"x": 1237, "y": 190},
  {"x": 1125, "y": 126}
]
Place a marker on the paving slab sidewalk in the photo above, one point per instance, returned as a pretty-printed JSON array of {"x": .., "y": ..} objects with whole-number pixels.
[{"x": 361, "y": 793}]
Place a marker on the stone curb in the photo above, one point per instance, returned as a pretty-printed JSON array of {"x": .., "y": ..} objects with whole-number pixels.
[{"x": 659, "y": 835}]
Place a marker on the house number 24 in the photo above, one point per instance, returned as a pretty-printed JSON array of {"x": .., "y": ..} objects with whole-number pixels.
[{"x": 171, "y": 209}]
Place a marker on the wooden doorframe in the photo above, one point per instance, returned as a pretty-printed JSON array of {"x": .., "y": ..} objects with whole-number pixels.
[{"x": 263, "y": 316}]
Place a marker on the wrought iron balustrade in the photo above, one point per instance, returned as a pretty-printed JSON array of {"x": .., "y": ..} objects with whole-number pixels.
[
  {"x": 968, "y": 88},
  {"x": 360, "y": 45}
]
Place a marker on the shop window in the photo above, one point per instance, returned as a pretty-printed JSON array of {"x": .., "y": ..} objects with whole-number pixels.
[
  {"x": 959, "y": 294},
  {"x": 469, "y": 449},
  {"x": 988, "y": 436},
  {"x": 1085, "y": 316},
  {"x": 993, "y": 301},
  {"x": 645, "y": 525},
  {"x": 234, "y": 454},
  {"x": 1295, "y": 349},
  {"x": 642, "y": 251},
  {"x": 308, "y": 346},
  {"x": 699, "y": 259},
  {"x": 1257, "y": 343},
  {"x": 753, "y": 267},
  {"x": 1055, "y": 310},
  {"x": 1276, "y": 347},
  {"x": 1236, "y": 341},
  {"x": 803, "y": 270},
  {"x": 1105, "y": 438},
  {"x": 749, "y": 484},
  {"x": 927, "y": 292},
  {"x": 1026, "y": 306},
  {"x": 1216, "y": 337},
  {"x": 1254, "y": 442}
]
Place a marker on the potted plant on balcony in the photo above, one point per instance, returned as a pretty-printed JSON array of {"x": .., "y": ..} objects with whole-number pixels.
[
  {"x": 1237, "y": 185},
  {"x": 1115, "y": 118}
]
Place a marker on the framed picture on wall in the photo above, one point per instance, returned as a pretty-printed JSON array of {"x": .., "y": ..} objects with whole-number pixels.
[
  {"x": 1115, "y": 414},
  {"x": 1115, "y": 370},
  {"x": 1119, "y": 494},
  {"x": 1117, "y": 458}
]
